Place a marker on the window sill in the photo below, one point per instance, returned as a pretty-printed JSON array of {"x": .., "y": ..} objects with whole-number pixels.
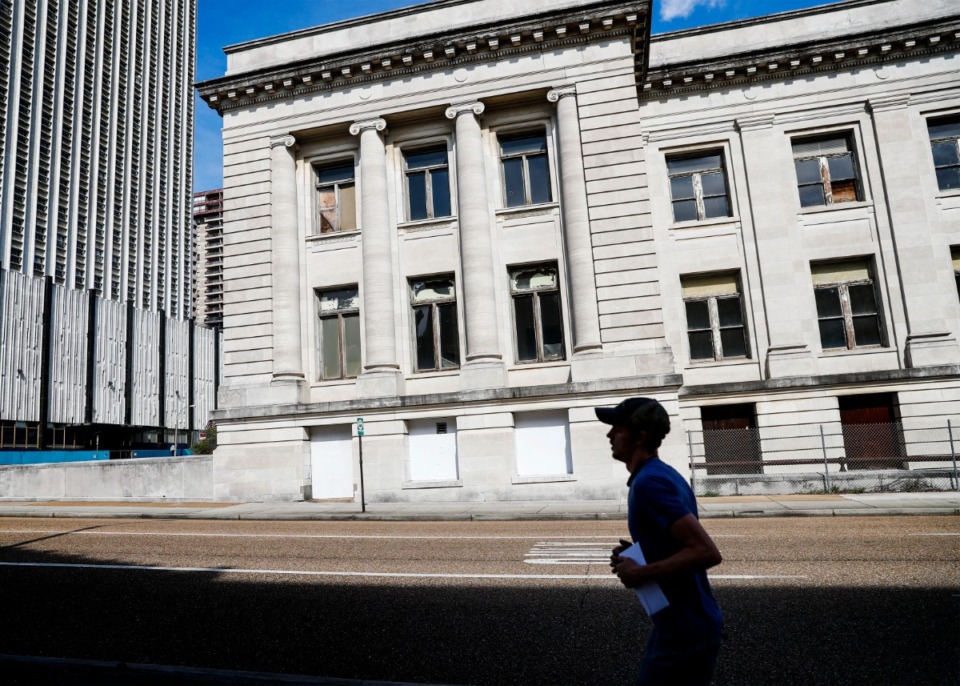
[
  {"x": 519, "y": 366},
  {"x": 427, "y": 224},
  {"x": 543, "y": 479},
  {"x": 433, "y": 373},
  {"x": 333, "y": 236},
  {"x": 715, "y": 222},
  {"x": 861, "y": 350},
  {"x": 728, "y": 362},
  {"x": 819, "y": 209},
  {"x": 527, "y": 210},
  {"x": 407, "y": 485},
  {"x": 317, "y": 383},
  {"x": 952, "y": 193}
]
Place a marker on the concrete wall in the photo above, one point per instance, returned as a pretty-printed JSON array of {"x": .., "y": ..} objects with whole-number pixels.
[{"x": 171, "y": 478}]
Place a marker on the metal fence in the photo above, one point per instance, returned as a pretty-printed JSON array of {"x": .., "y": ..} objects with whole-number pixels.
[{"x": 826, "y": 458}]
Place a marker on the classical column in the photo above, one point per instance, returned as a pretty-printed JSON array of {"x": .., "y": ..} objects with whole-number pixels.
[
  {"x": 785, "y": 276},
  {"x": 925, "y": 271},
  {"x": 476, "y": 249},
  {"x": 576, "y": 223},
  {"x": 379, "y": 315},
  {"x": 287, "y": 357}
]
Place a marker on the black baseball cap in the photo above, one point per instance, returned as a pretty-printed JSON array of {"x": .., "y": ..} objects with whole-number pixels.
[{"x": 637, "y": 414}]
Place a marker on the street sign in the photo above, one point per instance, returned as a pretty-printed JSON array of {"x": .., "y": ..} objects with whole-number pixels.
[{"x": 360, "y": 426}]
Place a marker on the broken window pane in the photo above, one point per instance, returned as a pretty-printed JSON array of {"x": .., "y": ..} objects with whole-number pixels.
[
  {"x": 449, "y": 336},
  {"x": 423, "y": 326},
  {"x": 348, "y": 207},
  {"x": 552, "y": 325}
]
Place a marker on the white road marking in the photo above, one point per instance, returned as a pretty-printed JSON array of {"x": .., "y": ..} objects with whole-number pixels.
[
  {"x": 565, "y": 553},
  {"x": 333, "y": 536},
  {"x": 936, "y": 534},
  {"x": 388, "y": 575}
]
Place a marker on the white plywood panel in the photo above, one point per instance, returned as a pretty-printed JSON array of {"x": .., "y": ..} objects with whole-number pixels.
[
  {"x": 433, "y": 450},
  {"x": 543, "y": 443},
  {"x": 331, "y": 462}
]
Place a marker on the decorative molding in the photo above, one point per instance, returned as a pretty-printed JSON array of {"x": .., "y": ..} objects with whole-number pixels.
[
  {"x": 885, "y": 103},
  {"x": 754, "y": 122},
  {"x": 285, "y": 140},
  {"x": 561, "y": 92},
  {"x": 792, "y": 61},
  {"x": 455, "y": 111},
  {"x": 548, "y": 31},
  {"x": 377, "y": 124}
]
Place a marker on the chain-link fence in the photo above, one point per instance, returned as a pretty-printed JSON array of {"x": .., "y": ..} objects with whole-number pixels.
[{"x": 826, "y": 458}]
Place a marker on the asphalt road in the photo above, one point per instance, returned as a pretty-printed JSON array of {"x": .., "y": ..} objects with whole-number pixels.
[{"x": 808, "y": 601}]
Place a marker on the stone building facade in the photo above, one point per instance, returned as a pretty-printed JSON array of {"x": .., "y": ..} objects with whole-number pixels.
[{"x": 470, "y": 224}]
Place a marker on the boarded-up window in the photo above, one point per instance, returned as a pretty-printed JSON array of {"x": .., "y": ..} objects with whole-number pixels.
[
  {"x": 847, "y": 306},
  {"x": 542, "y": 443},
  {"x": 715, "y": 323},
  {"x": 945, "y": 146},
  {"x": 731, "y": 442},
  {"x": 872, "y": 434},
  {"x": 827, "y": 171}
]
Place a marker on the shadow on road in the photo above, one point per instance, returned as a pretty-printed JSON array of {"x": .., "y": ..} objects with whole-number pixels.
[{"x": 458, "y": 632}]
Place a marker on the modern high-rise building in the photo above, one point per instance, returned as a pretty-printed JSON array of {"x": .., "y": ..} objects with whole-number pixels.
[
  {"x": 208, "y": 257},
  {"x": 96, "y": 146}
]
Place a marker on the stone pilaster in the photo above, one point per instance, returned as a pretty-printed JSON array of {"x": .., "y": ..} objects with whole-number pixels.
[
  {"x": 785, "y": 276},
  {"x": 925, "y": 276},
  {"x": 483, "y": 366},
  {"x": 285, "y": 241},
  {"x": 578, "y": 246},
  {"x": 381, "y": 373}
]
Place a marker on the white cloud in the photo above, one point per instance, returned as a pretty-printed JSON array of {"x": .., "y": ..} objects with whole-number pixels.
[{"x": 672, "y": 9}]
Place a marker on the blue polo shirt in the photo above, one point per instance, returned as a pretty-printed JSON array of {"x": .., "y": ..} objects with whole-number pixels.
[{"x": 659, "y": 496}]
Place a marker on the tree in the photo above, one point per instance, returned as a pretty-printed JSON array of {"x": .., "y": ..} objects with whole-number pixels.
[{"x": 206, "y": 445}]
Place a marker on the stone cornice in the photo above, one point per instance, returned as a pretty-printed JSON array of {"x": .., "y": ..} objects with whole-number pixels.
[
  {"x": 286, "y": 141},
  {"x": 544, "y": 32},
  {"x": 791, "y": 61}
]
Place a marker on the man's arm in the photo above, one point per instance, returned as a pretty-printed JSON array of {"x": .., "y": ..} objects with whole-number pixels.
[{"x": 698, "y": 552}]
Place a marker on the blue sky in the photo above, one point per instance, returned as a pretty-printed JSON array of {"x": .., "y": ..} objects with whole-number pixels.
[{"x": 225, "y": 22}]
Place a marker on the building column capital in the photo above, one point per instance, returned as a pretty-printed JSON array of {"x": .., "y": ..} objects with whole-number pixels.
[
  {"x": 561, "y": 92},
  {"x": 754, "y": 122},
  {"x": 883, "y": 103},
  {"x": 455, "y": 111},
  {"x": 362, "y": 125},
  {"x": 285, "y": 140}
]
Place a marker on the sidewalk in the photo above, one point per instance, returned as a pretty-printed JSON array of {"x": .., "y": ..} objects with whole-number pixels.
[{"x": 945, "y": 503}]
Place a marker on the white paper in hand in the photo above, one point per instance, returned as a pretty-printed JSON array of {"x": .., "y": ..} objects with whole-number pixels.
[{"x": 650, "y": 595}]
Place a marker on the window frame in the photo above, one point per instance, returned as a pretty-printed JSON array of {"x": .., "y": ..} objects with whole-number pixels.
[
  {"x": 534, "y": 294},
  {"x": 522, "y": 132},
  {"x": 419, "y": 148},
  {"x": 698, "y": 195},
  {"x": 335, "y": 163},
  {"x": 826, "y": 182},
  {"x": 846, "y": 308},
  {"x": 954, "y": 117},
  {"x": 437, "y": 336},
  {"x": 340, "y": 314},
  {"x": 714, "y": 317}
]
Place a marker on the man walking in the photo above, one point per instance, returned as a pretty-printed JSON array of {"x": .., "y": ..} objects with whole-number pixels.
[{"x": 662, "y": 517}]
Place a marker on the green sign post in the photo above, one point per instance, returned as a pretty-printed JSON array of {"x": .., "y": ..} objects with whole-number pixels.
[{"x": 363, "y": 499}]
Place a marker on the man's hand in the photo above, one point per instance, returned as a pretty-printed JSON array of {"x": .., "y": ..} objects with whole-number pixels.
[
  {"x": 619, "y": 549},
  {"x": 628, "y": 571}
]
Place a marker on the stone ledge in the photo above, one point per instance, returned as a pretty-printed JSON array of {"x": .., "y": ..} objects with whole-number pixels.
[{"x": 543, "y": 479}]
